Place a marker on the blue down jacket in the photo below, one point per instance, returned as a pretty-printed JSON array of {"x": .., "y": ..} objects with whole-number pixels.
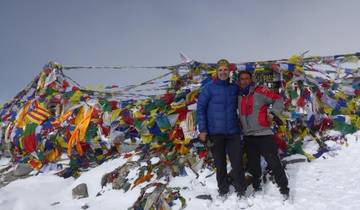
[{"x": 217, "y": 108}]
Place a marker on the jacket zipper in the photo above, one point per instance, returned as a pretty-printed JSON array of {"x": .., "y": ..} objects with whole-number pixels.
[
  {"x": 246, "y": 114},
  {"x": 226, "y": 96}
]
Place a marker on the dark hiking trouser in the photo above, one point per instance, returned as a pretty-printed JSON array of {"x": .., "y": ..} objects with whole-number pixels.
[
  {"x": 231, "y": 145},
  {"x": 265, "y": 146}
]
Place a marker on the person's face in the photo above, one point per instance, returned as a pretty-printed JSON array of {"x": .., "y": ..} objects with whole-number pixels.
[
  {"x": 244, "y": 80},
  {"x": 223, "y": 72}
]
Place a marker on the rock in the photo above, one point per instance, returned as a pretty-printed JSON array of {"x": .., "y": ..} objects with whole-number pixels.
[
  {"x": 124, "y": 148},
  {"x": 5, "y": 179},
  {"x": 118, "y": 177},
  {"x": 80, "y": 191},
  {"x": 153, "y": 197},
  {"x": 55, "y": 203},
  {"x": 292, "y": 161},
  {"x": 22, "y": 169},
  {"x": 7, "y": 174},
  {"x": 5, "y": 169},
  {"x": 117, "y": 137},
  {"x": 204, "y": 197},
  {"x": 85, "y": 206}
]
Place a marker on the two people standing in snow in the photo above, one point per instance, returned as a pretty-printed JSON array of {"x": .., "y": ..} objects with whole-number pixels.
[{"x": 218, "y": 122}]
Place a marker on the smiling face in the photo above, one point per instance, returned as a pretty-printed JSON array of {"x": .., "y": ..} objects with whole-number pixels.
[
  {"x": 244, "y": 79},
  {"x": 223, "y": 72}
]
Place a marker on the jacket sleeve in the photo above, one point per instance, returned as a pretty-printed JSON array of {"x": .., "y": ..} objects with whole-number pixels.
[
  {"x": 278, "y": 106},
  {"x": 271, "y": 97},
  {"x": 202, "y": 106}
]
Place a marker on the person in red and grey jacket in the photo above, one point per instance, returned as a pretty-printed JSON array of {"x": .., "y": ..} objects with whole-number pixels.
[{"x": 255, "y": 117}]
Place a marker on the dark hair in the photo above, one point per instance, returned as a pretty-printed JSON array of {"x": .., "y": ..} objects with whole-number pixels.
[{"x": 245, "y": 72}]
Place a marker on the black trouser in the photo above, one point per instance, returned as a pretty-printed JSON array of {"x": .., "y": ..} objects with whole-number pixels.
[
  {"x": 231, "y": 145},
  {"x": 265, "y": 146}
]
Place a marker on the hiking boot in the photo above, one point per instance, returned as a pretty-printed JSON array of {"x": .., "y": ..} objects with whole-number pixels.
[
  {"x": 240, "y": 194},
  {"x": 285, "y": 193},
  {"x": 285, "y": 196},
  {"x": 284, "y": 190},
  {"x": 223, "y": 195},
  {"x": 256, "y": 183},
  {"x": 223, "y": 192},
  {"x": 242, "y": 202},
  {"x": 257, "y": 191}
]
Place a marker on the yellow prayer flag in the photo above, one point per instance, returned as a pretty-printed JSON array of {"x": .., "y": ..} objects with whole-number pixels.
[
  {"x": 154, "y": 112},
  {"x": 192, "y": 95},
  {"x": 174, "y": 78},
  {"x": 52, "y": 156},
  {"x": 63, "y": 117},
  {"x": 115, "y": 114},
  {"x": 146, "y": 138},
  {"x": 294, "y": 59},
  {"x": 20, "y": 121},
  {"x": 340, "y": 95},
  {"x": 60, "y": 141},
  {"x": 138, "y": 115},
  {"x": 184, "y": 150},
  {"x": 38, "y": 114},
  {"x": 78, "y": 134},
  {"x": 299, "y": 68},
  {"x": 178, "y": 105},
  {"x": 75, "y": 98},
  {"x": 327, "y": 110},
  {"x": 309, "y": 156},
  {"x": 355, "y": 119},
  {"x": 80, "y": 115}
]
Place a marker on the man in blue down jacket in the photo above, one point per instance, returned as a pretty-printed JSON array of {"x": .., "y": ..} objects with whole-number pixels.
[{"x": 218, "y": 121}]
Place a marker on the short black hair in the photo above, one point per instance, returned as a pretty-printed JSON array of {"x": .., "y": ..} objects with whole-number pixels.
[{"x": 245, "y": 72}]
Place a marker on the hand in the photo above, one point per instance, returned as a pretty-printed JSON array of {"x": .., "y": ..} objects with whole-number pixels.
[{"x": 202, "y": 136}]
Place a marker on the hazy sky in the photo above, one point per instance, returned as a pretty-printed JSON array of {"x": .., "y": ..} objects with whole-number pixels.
[{"x": 153, "y": 32}]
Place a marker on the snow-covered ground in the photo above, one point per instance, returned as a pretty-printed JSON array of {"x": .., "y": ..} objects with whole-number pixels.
[{"x": 330, "y": 182}]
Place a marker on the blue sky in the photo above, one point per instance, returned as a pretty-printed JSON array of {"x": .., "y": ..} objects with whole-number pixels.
[{"x": 89, "y": 32}]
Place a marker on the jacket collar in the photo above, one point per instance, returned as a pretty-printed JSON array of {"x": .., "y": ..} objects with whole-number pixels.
[
  {"x": 250, "y": 89},
  {"x": 221, "y": 82}
]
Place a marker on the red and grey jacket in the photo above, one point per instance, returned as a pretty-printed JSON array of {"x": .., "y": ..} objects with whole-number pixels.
[{"x": 254, "y": 107}]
